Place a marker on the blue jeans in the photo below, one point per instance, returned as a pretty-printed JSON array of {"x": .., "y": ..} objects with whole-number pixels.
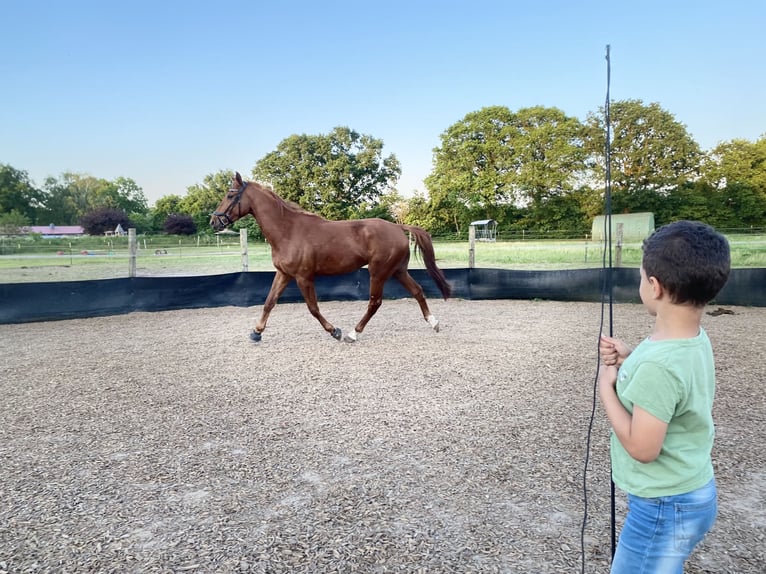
[{"x": 659, "y": 534}]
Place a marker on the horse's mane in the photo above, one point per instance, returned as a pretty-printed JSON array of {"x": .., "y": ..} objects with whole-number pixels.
[{"x": 285, "y": 204}]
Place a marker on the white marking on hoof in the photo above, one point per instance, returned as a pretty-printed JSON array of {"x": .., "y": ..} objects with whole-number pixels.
[
  {"x": 434, "y": 322},
  {"x": 351, "y": 337}
]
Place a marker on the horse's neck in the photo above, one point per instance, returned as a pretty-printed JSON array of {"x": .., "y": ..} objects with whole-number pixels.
[{"x": 271, "y": 216}]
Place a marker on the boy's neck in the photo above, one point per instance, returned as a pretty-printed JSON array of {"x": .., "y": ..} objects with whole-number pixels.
[{"x": 676, "y": 322}]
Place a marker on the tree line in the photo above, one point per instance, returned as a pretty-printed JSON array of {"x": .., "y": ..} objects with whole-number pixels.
[{"x": 535, "y": 169}]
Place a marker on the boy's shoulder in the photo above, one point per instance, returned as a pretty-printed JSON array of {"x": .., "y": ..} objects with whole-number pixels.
[{"x": 670, "y": 351}]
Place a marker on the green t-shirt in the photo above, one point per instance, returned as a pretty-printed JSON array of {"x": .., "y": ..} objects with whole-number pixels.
[{"x": 673, "y": 380}]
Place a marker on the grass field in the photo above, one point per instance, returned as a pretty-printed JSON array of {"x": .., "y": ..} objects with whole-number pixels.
[{"x": 97, "y": 259}]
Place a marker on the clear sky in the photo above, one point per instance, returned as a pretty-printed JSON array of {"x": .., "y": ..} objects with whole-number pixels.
[{"x": 168, "y": 91}]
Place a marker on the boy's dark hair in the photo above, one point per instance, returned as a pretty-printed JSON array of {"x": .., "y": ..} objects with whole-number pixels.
[{"x": 690, "y": 259}]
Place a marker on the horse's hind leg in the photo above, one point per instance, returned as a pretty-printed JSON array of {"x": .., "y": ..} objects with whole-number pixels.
[
  {"x": 310, "y": 295},
  {"x": 376, "y": 298},
  {"x": 417, "y": 292},
  {"x": 278, "y": 285}
]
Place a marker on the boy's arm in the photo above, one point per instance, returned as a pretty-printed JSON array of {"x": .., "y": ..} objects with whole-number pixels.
[{"x": 641, "y": 434}]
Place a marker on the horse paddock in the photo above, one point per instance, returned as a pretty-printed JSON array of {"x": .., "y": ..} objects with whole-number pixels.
[{"x": 169, "y": 442}]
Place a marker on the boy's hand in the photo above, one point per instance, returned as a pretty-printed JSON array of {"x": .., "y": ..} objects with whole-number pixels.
[
  {"x": 607, "y": 378},
  {"x": 612, "y": 351}
]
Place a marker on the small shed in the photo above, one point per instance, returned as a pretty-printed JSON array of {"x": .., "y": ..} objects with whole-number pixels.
[
  {"x": 635, "y": 226},
  {"x": 485, "y": 229}
]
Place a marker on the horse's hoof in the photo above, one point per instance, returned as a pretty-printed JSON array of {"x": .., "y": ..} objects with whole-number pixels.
[
  {"x": 255, "y": 336},
  {"x": 337, "y": 333},
  {"x": 434, "y": 322},
  {"x": 350, "y": 337}
]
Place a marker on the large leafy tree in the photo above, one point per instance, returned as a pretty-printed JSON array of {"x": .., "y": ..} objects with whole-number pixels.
[
  {"x": 549, "y": 160},
  {"x": 651, "y": 153},
  {"x": 548, "y": 153},
  {"x": 72, "y": 195},
  {"x": 83, "y": 193},
  {"x": 737, "y": 161},
  {"x": 64, "y": 203},
  {"x": 736, "y": 171},
  {"x": 473, "y": 166},
  {"x": 18, "y": 194},
  {"x": 495, "y": 157},
  {"x": 339, "y": 175},
  {"x": 730, "y": 193},
  {"x": 123, "y": 193}
]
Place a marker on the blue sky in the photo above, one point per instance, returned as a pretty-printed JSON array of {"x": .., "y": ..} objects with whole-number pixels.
[{"x": 166, "y": 92}]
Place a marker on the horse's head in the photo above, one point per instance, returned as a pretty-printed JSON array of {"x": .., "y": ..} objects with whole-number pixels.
[{"x": 231, "y": 207}]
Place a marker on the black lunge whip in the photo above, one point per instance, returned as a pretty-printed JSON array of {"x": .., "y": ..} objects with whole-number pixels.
[
  {"x": 608, "y": 235},
  {"x": 606, "y": 293}
]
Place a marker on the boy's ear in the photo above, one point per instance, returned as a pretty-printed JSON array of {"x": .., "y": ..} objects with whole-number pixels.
[{"x": 657, "y": 288}]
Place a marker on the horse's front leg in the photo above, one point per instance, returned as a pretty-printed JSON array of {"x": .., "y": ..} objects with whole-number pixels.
[
  {"x": 278, "y": 285},
  {"x": 306, "y": 285}
]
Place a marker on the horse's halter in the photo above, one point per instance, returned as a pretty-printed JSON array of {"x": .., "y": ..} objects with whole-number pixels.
[{"x": 223, "y": 216}]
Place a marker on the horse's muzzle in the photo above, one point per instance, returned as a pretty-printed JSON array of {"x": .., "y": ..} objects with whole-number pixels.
[{"x": 219, "y": 221}]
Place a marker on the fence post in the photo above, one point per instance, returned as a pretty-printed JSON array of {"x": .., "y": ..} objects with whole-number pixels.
[
  {"x": 618, "y": 249},
  {"x": 132, "y": 249},
  {"x": 243, "y": 245},
  {"x": 471, "y": 245}
]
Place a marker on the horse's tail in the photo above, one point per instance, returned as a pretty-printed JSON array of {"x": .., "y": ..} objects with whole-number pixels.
[{"x": 425, "y": 248}]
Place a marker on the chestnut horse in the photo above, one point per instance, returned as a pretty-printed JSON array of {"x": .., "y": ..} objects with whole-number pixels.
[{"x": 304, "y": 245}]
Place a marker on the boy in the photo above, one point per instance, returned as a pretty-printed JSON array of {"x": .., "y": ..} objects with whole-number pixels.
[{"x": 659, "y": 403}]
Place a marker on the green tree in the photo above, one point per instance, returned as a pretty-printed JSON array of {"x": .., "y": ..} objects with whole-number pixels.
[
  {"x": 434, "y": 214},
  {"x": 737, "y": 161},
  {"x": 128, "y": 196},
  {"x": 691, "y": 200},
  {"x": 339, "y": 175},
  {"x": 57, "y": 205},
  {"x": 12, "y": 222},
  {"x": 18, "y": 194},
  {"x": 495, "y": 157},
  {"x": 202, "y": 199},
  {"x": 747, "y": 203},
  {"x": 549, "y": 154},
  {"x": 163, "y": 207},
  {"x": 392, "y": 207},
  {"x": 73, "y": 195},
  {"x": 550, "y": 161},
  {"x": 85, "y": 193},
  {"x": 249, "y": 223},
  {"x": 473, "y": 166},
  {"x": 651, "y": 152},
  {"x": 446, "y": 214},
  {"x": 736, "y": 171},
  {"x": 144, "y": 223}
]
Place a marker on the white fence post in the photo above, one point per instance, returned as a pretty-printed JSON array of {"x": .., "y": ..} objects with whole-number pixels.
[
  {"x": 618, "y": 249},
  {"x": 471, "y": 245},
  {"x": 243, "y": 245},
  {"x": 132, "y": 250}
]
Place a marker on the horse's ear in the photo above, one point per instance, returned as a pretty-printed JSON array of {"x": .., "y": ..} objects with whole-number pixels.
[{"x": 238, "y": 178}]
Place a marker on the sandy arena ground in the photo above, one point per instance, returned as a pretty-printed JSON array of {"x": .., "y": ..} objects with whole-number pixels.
[{"x": 168, "y": 442}]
